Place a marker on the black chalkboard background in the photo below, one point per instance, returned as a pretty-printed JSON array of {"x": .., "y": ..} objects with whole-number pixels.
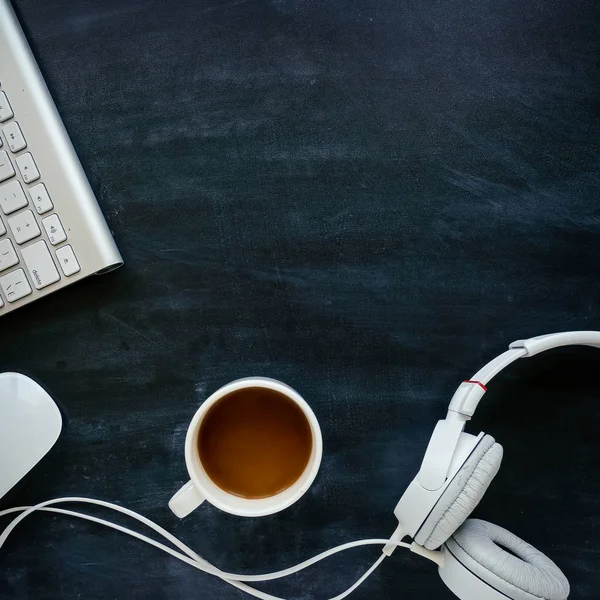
[{"x": 366, "y": 199}]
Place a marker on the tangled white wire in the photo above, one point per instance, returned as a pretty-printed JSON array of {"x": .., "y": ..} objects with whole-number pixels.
[{"x": 187, "y": 555}]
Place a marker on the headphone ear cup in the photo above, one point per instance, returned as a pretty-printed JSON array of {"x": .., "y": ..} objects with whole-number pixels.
[
  {"x": 462, "y": 495},
  {"x": 506, "y": 563}
]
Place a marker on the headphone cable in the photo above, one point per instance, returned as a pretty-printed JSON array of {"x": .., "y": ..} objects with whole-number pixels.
[{"x": 187, "y": 555}]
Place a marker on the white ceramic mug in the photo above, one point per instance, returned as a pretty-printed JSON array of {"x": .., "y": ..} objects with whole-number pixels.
[{"x": 201, "y": 487}]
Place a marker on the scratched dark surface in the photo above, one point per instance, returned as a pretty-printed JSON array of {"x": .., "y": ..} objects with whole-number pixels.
[{"x": 365, "y": 199}]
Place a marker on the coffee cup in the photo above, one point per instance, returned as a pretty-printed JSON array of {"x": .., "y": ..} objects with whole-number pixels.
[{"x": 209, "y": 473}]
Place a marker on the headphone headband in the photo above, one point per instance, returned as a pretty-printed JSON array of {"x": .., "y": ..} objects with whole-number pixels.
[{"x": 469, "y": 393}]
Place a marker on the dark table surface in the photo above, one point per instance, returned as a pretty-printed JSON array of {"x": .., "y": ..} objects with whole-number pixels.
[{"x": 366, "y": 199}]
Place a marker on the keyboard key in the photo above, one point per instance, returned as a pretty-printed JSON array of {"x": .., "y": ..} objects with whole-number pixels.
[
  {"x": 27, "y": 167},
  {"x": 40, "y": 265},
  {"x": 14, "y": 136},
  {"x": 2, "y": 228},
  {"x": 8, "y": 256},
  {"x": 6, "y": 168},
  {"x": 41, "y": 198},
  {"x": 5, "y": 109},
  {"x": 54, "y": 229},
  {"x": 15, "y": 285},
  {"x": 24, "y": 227},
  {"x": 12, "y": 197},
  {"x": 67, "y": 261}
]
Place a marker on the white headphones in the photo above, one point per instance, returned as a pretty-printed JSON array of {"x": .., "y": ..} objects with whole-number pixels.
[{"x": 476, "y": 560}]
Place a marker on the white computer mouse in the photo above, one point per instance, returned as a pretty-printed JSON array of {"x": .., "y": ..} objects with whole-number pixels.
[{"x": 30, "y": 424}]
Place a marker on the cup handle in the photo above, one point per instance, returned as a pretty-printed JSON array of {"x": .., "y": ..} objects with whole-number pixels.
[{"x": 187, "y": 499}]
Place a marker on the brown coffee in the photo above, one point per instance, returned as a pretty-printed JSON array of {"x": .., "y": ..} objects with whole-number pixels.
[{"x": 255, "y": 443}]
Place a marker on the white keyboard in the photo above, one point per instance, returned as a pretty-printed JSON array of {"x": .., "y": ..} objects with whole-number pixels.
[{"x": 52, "y": 232}]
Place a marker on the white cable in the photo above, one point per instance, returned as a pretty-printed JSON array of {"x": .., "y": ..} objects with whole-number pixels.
[
  {"x": 197, "y": 561},
  {"x": 206, "y": 566},
  {"x": 360, "y": 581},
  {"x": 189, "y": 556}
]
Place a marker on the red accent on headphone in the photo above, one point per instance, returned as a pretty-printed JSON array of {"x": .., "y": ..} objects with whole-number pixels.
[{"x": 476, "y": 382}]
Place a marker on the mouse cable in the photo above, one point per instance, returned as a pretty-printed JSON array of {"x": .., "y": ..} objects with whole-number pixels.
[{"x": 189, "y": 556}]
